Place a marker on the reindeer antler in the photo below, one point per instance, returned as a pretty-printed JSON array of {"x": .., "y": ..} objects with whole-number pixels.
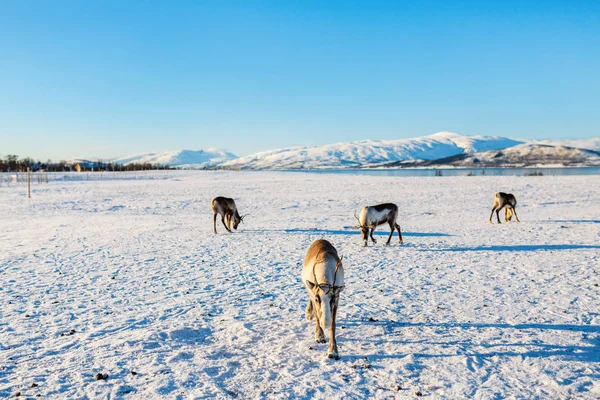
[
  {"x": 314, "y": 266},
  {"x": 358, "y": 219},
  {"x": 337, "y": 265},
  {"x": 361, "y": 226},
  {"x": 243, "y": 216}
]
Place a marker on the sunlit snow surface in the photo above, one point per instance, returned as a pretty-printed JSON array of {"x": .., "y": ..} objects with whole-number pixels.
[{"x": 463, "y": 309}]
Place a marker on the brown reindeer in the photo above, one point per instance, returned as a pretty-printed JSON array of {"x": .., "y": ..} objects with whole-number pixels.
[
  {"x": 502, "y": 200},
  {"x": 226, "y": 208},
  {"x": 323, "y": 277},
  {"x": 373, "y": 216}
]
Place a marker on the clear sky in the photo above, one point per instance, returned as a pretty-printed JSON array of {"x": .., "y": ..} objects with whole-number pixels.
[{"x": 108, "y": 78}]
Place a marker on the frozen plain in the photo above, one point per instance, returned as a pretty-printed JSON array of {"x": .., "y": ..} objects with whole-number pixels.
[{"x": 463, "y": 309}]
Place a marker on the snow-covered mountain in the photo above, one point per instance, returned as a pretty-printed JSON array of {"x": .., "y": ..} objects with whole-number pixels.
[
  {"x": 370, "y": 152},
  {"x": 180, "y": 158},
  {"x": 523, "y": 155},
  {"x": 442, "y": 148},
  {"x": 590, "y": 144}
]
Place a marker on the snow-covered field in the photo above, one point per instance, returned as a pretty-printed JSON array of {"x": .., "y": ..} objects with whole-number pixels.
[{"x": 123, "y": 276}]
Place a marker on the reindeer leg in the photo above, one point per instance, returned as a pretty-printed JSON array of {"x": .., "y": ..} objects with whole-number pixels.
[
  {"x": 399, "y": 234},
  {"x": 372, "y": 238},
  {"x": 223, "y": 221},
  {"x": 515, "y": 212},
  {"x": 319, "y": 335},
  {"x": 309, "y": 310},
  {"x": 391, "y": 233},
  {"x": 333, "y": 349},
  {"x": 229, "y": 222},
  {"x": 215, "y": 223},
  {"x": 492, "y": 214},
  {"x": 498, "y": 213}
]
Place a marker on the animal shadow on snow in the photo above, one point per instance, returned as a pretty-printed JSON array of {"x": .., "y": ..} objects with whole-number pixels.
[
  {"x": 382, "y": 232},
  {"x": 575, "y": 221},
  {"x": 535, "y": 348},
  {"x": 526, "y": 247}
]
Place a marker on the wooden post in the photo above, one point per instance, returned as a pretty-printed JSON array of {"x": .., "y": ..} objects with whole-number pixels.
[{"x": 29, "y": 182}]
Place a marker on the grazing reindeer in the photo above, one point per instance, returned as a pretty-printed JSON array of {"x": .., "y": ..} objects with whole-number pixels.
[
  {"x": 373, "y": 216},
  {"x": 323, "y": 276},
  {"x": 225, "y": 207},
  {"x": 502, "y": 200}
]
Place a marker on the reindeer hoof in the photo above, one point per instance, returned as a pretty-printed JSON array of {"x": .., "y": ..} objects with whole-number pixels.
[
  {"x": 320, "y": 340},
  {"x": 335, "y": 355}
]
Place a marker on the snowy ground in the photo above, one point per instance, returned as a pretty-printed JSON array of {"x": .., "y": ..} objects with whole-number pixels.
[{"x": 463, "y": 309}]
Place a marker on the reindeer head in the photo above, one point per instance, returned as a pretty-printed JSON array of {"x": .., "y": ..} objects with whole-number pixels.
[
  {"x": 324, "y": 296},
  {"x": 237, "y": 219},
  {"x": 364, "y": 228}
]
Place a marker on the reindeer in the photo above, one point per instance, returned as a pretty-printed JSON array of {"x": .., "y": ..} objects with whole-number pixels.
[
  {"x": 373, "y": 216},
  {"x": 225, "y": 207},
  {"x": 502, "y": 200},
  {"x": 323, "y": 277}
]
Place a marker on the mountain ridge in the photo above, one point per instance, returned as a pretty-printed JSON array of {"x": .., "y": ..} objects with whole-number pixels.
[
  {"x": 369, "y": 152},
  {"x": 180, "y": 158},
  {"x": 421, "y": 151}
]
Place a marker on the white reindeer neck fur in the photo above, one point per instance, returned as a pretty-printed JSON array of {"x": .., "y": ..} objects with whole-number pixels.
[{"x": 371, "y": 216}]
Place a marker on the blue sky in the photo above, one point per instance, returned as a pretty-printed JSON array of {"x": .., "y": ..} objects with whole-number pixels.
[{"x": 104, "y": 78}]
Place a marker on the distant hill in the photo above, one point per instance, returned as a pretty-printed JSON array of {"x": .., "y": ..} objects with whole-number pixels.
[
  {"x": 440, "y": 149},
  {"x": 523, "y": 155},
  {"x": 369, "y": 152},
  {"x": 193, "y": 159},
  {"x": 590, "y": 144}
]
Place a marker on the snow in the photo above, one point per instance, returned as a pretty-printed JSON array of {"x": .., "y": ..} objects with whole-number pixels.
[
  {"x": 369, "y": 152},
  {"x": 590, "y": 143},
  {"x": 527, "y": 155},
  {"x": 186, "y": 159},
  {"x": 463, "y": 309}
]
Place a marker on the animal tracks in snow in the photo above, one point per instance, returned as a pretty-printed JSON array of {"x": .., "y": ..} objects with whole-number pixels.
[{"x": 462, "y": 309}]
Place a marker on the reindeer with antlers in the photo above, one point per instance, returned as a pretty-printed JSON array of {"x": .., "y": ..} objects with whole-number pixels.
[
  {"x": 502, "y": 200},
  {"x": 225, "y": 207},
  {"x": 323, "y": 277},
  {"x": 373, "y": 216}
]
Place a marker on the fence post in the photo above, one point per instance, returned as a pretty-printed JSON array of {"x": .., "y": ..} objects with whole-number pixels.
[{"x": 28, "y": 182}]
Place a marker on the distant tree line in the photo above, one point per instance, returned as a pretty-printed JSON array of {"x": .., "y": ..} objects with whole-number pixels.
[{"x": 12, "y": 163}]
